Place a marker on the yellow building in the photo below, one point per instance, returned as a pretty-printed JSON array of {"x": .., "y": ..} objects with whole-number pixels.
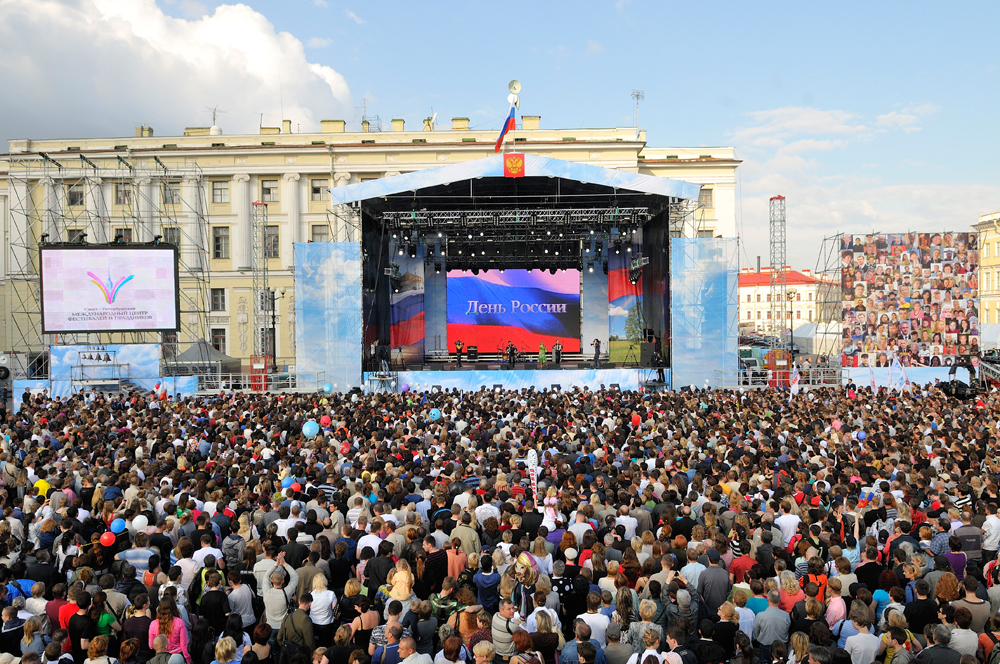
[
  {"x": 989, "y": 267},
  {"x": 196, "y": 190}
]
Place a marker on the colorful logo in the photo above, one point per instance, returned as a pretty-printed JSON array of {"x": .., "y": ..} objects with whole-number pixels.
[
  {"x": 513, "y": 165},
  {"x": 109, "y": 289}
]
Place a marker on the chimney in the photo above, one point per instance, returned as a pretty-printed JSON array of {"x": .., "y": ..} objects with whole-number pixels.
[
  {"x": 758, "y": 265},
  {"x": 460, "y": 124},
  {"x": 270, "y": 130},
  {"x": 530, "y": 121},
  {"x": 428, "y": 124},
  {"x": 397, "y": 124},
  {"x": 332, "y": 126},
  {"x": 143, "y": 131},
  {"x": 286, "y": 126},
  {"x": 364, "y": 126}
]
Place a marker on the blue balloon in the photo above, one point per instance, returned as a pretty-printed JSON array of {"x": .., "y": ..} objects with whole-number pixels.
[
  {"x": 117, "y": 526},
  {"x": 287, "y": 482},
  {"x": 310, "y": 429},
  {"x": 862, "y": 435},
  {"x": 435, "y": 414},
  {"x": 405, "y": 387},
  {"x": 328, "y": 388}
]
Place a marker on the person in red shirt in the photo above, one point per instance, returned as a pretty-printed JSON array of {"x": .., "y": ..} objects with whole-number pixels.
[
  {"x": 739, "y": 567},
  {"x": 67, "y": 611}
]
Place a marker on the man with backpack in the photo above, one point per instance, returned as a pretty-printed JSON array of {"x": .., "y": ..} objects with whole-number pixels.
[{"x": 296, "y": 631}]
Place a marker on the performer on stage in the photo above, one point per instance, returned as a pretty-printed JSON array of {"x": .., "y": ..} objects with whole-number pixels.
[
  {"x": 459, "y": 347},
  {"x": 557, "y": 351},
  {"x": 658, "y": 363},
  {"x": 597, "y": 353},
  {"x": 511, "y": 354},
  {"x": 541, "y": 353}
]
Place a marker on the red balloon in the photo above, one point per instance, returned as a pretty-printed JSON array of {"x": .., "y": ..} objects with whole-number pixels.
[
  {"x": 636, "y": 420},
  {"x": 108, "y": 539},
  {"x": 296, "y": 487}
]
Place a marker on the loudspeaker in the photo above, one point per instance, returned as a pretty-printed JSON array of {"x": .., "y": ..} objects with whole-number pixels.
[
  {"x": 649, "y": 334},
  {"x": 473, "y": 353},
  {"x": 482, "y": 366},
  {"x": 646, "y": 353}
]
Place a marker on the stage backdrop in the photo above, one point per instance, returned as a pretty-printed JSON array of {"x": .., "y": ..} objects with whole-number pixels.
[
  {"x": 328, "y": 314},
  {"x": 526, "y": 307},
  {"x": 704, "y": 309},
  {"x": 914, "y": 296},
  {"x": 406, "y": 308}
]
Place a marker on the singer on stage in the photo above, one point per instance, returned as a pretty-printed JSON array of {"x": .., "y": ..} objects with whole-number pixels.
[{"x": 459, "y": 347}]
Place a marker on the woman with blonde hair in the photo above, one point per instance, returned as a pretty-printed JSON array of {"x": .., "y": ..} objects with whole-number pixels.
[
  {"x": 836, "y": 607},
  {"x": 799, "y": 648},
  {"x": 637, "y": 630},
  {"x": 546, "y": 640},
  {"x": 897, "y": 619},
  {"x": 727, "y": 627},
  {"x": 457, "y": 560},
  {"x": 541, "y": 556},
  {"x": 225, "y": 650},
  {"x": 790, "y": 591},
  {"x": 34, "y": 639},
  {"x": 323, "y": 606}
]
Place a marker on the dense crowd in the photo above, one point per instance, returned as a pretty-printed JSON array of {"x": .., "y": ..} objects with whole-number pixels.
[{"x": 836, "y": 526}]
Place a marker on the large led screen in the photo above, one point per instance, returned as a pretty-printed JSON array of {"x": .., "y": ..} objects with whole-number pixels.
[
  {"x": 530, "y": 308},
  {"x": 914, "y": 296},
  {"x": 109, "y": 289}
]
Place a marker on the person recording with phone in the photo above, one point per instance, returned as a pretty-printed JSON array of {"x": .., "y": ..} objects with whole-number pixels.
[{"x": 459, "y": 347}]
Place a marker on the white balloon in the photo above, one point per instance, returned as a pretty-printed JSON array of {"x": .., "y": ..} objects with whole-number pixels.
[{"x": 140, "y": 522}]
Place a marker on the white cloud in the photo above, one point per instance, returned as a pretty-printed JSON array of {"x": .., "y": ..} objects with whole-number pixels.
[
  {"x": 318, "y": 42},
  {"x": 193, "y": 9},
  {"x": 594, "y": 47},
  {"x": 354, "y": 17},
  {"x": 785, "y": 150},
  {"x": 124, "y": 62},
  {"x": 320, "y": 3}
]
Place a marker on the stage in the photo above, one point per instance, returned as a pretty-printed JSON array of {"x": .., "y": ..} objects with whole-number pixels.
[{"x": 470, "y": 379}]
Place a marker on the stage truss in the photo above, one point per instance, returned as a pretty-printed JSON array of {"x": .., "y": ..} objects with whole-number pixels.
[
  {"x": 100, "y": 199},
  {"x": 829, "y": 300}
]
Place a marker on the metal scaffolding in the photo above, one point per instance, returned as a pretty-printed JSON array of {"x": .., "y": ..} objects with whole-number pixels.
[
  {"x": 780, "y": 338},
  {"x": 262, "y": 300},
  {"x": 99, "y": 198},
  {"x": 829, "y": 299}
]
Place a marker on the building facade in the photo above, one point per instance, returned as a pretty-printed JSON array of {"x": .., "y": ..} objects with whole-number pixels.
[
  {"x": 989, "y": 268},
  {"x": 803, "y": 290},
  {"x": 199, "y": 190}
]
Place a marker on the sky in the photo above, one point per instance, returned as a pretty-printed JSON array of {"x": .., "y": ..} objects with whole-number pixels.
[{"x": 865, "y": 116}]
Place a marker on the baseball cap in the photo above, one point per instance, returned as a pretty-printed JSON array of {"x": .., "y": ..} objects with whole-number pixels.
[
  {"x": 614, "y": 629},
  {"x": 713, "y": 555}
]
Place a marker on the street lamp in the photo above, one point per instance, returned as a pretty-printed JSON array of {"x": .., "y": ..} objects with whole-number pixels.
[{"x": 276, "y": 294}]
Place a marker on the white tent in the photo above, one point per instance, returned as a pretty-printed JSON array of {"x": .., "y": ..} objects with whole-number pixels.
[{"x": 818, "y": 338}]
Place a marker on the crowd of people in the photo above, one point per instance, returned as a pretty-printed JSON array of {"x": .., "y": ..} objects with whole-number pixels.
[{"x": 838, "y": 526}]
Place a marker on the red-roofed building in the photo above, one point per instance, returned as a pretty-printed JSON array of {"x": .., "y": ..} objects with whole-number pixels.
[{"x": 755, "y": 300}]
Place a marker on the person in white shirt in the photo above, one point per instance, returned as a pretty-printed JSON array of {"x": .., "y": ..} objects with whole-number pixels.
[
  {"x": 598, "y": 621},
  {"x": 625, "y": 519},
  {"x": 207, "y": 548},
  {"x": 864, "y": 646},
  {"x": 693, "y": 569},
  {"x": 991, "y": 532},
  {"x": 531, "y": 624},
  {"x": 371, "y": 539},
  {"x": 788, "y": 523}
]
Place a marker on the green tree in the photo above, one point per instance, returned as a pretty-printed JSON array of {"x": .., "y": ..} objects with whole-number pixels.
[{"x": 633, "y": 323}]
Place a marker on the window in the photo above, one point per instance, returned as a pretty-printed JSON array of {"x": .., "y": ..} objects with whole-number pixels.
[
  {"x": 758, "y": 297},
  {"x": 320, "y": 233},
  {"x": 810, "y": 297},
  {"x": 705, "y": 198},
  {"x": 170, "y": 194},
  {"x": 219, "y": 339},
  {"x": 220, "y": 242},
  {"x": 220, "y": 191},
  {"x": 75, "y": 235},
  {"x": 706, "y": 235},
  {"x": 810, "y": 315},
  {"x": 169, "y": 345},
  {"x": 798, "y": 297},
  {"x": 768, "y": 297},
  {"x": 74, "y": 195},
  {"x": 798, "y": 315},
  {"x": 749, "y": 315},
  {"x": 269, "y": 191},
  {"x": 272, "y": 242},
  {"x": 123, "y": 235},
  {"x": 218, "y": 299},
  {"x": 268, "y": 335},
  {"x": 123, "y": 194},
  {"x": 317, "y": 191},
  {"x": 171, "y": 235}
]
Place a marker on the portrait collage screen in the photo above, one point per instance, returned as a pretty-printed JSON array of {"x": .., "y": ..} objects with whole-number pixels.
[{"x": 914, "y": 296}]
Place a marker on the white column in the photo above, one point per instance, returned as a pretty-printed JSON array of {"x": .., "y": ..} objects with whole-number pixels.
[
  {"x": 241, "y": 234},
  {"x": 194, "y": 254},
  {"x": 343, "y": 211},
  {"x": 20, "y": 223},
  {"x": 97, "y": 211},
  {"x": 293, "y": 231}
]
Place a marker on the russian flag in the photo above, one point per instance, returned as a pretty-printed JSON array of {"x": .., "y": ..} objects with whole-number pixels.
[{"x": 508, "y": 124}]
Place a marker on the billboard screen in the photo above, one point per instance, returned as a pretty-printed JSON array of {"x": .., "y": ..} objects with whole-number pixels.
[
  {"x": 109, "y": 289},
  {"x": 527, "y": 307},
  {"x": 911, "y": 295}
]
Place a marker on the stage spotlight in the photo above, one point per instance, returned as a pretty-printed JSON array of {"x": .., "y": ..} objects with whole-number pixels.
[
  {"x": 482, "y": 252},
  {"x": 629, "y": 249},
  {"x": 546, "y": 250},
  {"x": 552, "y": 270},
  {"x": 480, "y": 233},
  {"x": 475, "y": 270},
  {"x": 485, "y": 270},
  {"x": 437, "y": 268},
  {"x": 459, "y": 250},
  {"x": 605, "y": 267},
  {"x": 401, "y": 250},
  {"x": 470, "y": 236},
  {"x": 590, "y": 267},
  {"x": 413, "y": 251},
  {"x": 618, "y": 247},
  {"x": 440, "y": 234},
  {"x": 502, "y": 270}
]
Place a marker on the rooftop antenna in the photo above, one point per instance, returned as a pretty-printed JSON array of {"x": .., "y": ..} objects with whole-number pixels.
[
  {"x": 214, "y": 110},
  {"x": 637, "y": 96}
]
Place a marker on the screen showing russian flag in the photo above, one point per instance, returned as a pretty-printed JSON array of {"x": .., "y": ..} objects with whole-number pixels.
[{"x": 490, "y": 309}]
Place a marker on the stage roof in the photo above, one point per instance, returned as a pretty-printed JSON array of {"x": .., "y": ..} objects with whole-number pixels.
[{"x": 535, "y": 166}]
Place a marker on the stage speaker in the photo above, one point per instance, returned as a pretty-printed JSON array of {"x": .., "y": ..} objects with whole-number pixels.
[
  {"x": 473, "y": 353},
  {"x": 449, "y": 367},
  {"x": 646, "y": 353},
  {"x": 649, "y": 334},
  {"x": 520, "y": 365},
  {"x": 482, "y": 366}
]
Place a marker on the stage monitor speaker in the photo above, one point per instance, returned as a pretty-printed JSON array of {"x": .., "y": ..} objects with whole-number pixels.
[
  {"x": 473, "y": 353},
  {"x": 482, "y": 366},
  {"x": 646, "y": 351}
]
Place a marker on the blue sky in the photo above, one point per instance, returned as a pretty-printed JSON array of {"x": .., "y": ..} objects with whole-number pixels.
[{"x": 865, "y": 115}]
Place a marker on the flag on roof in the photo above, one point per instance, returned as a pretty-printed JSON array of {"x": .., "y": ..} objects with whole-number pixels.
[{"x": 508, "y": 124}]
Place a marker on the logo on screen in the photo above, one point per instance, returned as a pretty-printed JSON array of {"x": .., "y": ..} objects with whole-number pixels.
[{"x": 110, "y": 289}]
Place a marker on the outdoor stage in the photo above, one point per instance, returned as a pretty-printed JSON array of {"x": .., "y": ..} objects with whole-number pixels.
[{"x": 518, "y": 379}]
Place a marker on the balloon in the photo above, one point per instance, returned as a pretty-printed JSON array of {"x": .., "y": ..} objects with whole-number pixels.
[
  {"x": 435, "y": 414},
  {"x": 328, "y": 388},
  {"x": 324, "y": 421},
  {"x": 310, "y": 429},
  {"x": 108, "y": 539},
  {"x": 117, "y": 526},
  {"x": 636, "y": 420},
  {"x": 140, "y": 522},
  {"x": 345, "y": 448},
  {"x": 837, "y": 424},
  {"x": 287, "y": 482},
  {"x": 405, "y": 387},
  {"x": 296, "y": 487},
  {"x": 862, "y": 435}
]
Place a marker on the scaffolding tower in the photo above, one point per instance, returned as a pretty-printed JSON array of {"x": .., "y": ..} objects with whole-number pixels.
[
  {"x": 779, "y": 277},
  {"x": 100, "y": 198},
  {"x": 262, "y": 298},
  {"x": 829, "y": 300}
]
